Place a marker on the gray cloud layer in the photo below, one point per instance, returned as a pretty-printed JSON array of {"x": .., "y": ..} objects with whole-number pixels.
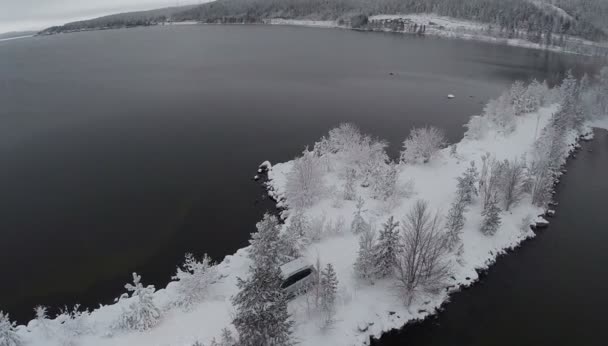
[{"x": 38, "y": 14}]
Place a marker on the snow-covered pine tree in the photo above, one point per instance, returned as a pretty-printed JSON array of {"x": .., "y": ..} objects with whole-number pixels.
[
  {"x": 226, "y": 339},
  {"x": 8, "y": 333},
  {"x": 384, "y": 181},
  {"x": 142, "y": 313},
  {"x": 517, "y": 97},
  {"x": 42, "y": 319},
  {"x": 364, "y": 265},
  {"x": 268, "y": 233},
  {"x": 455, "y": 223},
  {"x": 359, "y": 225},
  {"x": 491, "y": 217},
  {"x": 349, "y": 188},
  {"x": 467, "y": 188},
  {"x": 261, "y": 306},
  {"x": 194, "y": 277},
  {"x": 329, "y": 289},
  {"x": 386, "y": 248}
]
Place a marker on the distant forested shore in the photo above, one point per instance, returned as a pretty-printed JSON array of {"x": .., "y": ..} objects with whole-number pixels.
[{"x": 543, "y": 22}]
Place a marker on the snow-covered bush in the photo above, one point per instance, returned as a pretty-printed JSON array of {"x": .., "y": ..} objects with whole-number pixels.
[
  {"x": 535, "y": 96},
  {"x": 142, "y": 314},
  {"x": 8, "y": 333},
  {"x": 422, "y": 144},
  {"x": 421, "y": 263},
  {"x": 328, "y": 291},
  {"x": 74, "y": 322},
  {"x": 304, "y": 184},
  {"x": 261, "y": 316},
  {"x": 335, "y": 228},
  {"x": 317, "y": 227},
  {"x": 194, "y": 278},
  {"x": 477, "y": 127},
  {"x": 501, "y": 114},
  {"x": 386, "y": 248},
  {"x": 354, "y": 150}
]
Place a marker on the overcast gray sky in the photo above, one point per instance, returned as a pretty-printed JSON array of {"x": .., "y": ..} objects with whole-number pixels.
[{"x": 17, "y": 15}]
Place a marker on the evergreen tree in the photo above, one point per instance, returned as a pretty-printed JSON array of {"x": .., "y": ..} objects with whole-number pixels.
[
  {"x": 328, "y": 292},
  {"x": 349, "y": 188},
  {"x": 8, "y": 333},
  {"x": 491, "y": 218},
  {"x": 261, "y": 306},
  {"x": 226, "y": 339},
  {"x": 364, "y": 265},
  {"x": 267, "y": 234},
  {"x": 455, "y": 223},
  {"x": 359, "y": 225},
  {"x": 142, "y": 313},
  {"x": 467, "y": 188},
  {"x": 385, "y": 250}
]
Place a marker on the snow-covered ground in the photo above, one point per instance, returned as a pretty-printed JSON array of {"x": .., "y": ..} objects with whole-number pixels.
[
  {"x": 363, "y": 309},
  {"x": 305, "y": 22},
  {"x": 15, "y": 38},
  {"x": 449, "y": 27}
]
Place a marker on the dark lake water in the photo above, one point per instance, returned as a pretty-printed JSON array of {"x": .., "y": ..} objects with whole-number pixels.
[
  {"x": 551, "y": 291},
  {"x": 120, "y": 150}
]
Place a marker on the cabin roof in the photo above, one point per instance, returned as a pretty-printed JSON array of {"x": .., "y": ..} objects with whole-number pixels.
[{"x": 294, "y": 266}]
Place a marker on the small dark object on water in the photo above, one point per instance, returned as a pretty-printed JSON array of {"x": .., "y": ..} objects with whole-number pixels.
[
  {"x": 391, "y": 313},
  {"x": 391, "y": 74}
]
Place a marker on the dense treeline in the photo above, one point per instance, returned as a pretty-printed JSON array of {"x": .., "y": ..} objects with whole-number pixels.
[
  {"x": 121, "y": 20},
  {"x": 508, "y": 15},
  {"x": 581, "y": 18}
]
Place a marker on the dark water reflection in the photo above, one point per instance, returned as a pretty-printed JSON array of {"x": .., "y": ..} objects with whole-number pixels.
[
  {"x": 551, "y": 291},
  {"x": 120, "y": 150}
]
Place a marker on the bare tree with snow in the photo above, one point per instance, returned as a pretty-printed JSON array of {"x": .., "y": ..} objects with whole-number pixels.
[
  {"x": 304, "y": 183},
  {"x": 142, "y": 314},
  {"x": 8, "y": 332},
  {"x": 422, "y": 144},
  {"x": 194, "y": 278},
  {"x": 421, "y": 264},
  {"x": 513, "y": 182}
]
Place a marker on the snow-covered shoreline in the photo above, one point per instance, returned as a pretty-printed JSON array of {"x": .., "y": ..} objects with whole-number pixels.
[
  {"x": 363, "y": 310},
  {"x": 445, "y": 27}
]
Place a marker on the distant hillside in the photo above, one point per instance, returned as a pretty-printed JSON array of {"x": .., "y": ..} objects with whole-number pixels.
[
  {"x": 582, "y": 18},
  {"x": 120, "y": 20}
]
